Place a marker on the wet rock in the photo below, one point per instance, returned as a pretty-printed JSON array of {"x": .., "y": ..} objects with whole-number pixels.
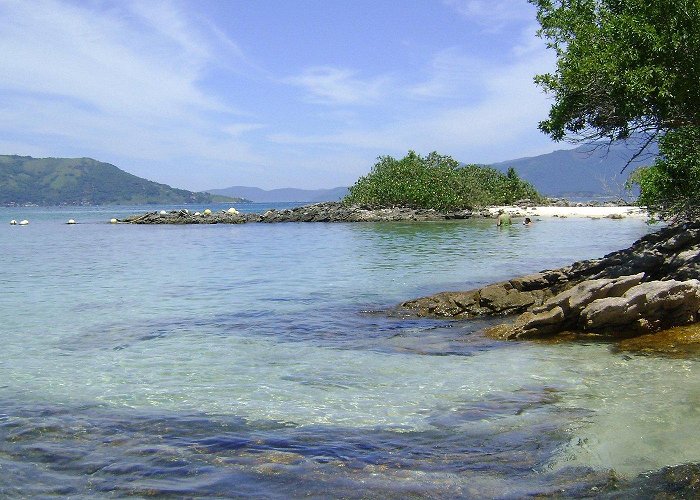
[
  {"x": 678, "y": 342},
  {"x": 493, "y": 300},
  {"x": 678, "y": 481}
]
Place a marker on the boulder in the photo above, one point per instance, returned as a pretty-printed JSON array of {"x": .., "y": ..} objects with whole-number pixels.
[
  {"x": 646, "y": 307},
  {"x": 617, "y": 307},
  {"x": 499, "y": 299}
]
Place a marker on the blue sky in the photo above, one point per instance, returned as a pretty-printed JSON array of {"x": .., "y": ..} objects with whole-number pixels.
[{"x": 206, "y": 94}]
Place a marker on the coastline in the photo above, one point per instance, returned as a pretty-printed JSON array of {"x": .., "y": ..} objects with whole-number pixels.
[{"x": 337, "y": 212}]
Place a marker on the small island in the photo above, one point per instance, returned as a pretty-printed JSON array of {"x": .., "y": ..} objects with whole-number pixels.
[{"x": 413, "y": 188}]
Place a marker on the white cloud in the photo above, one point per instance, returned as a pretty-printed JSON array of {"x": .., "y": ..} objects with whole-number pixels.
[
  {"x": 328, "y": 85},
  {"x": 122, "y": 82},
  {"x": 55, "y": 49},
  {"x": 493, "y": 15}
]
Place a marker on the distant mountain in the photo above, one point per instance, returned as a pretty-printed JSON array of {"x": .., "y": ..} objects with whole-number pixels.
[
  {"x": 583, "y": 171},
  {"x": 283, "y": 194},
  {"x": 81, "y": 181}
]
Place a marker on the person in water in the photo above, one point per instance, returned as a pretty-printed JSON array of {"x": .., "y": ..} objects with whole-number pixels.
[
  {"x": 527, "y": 221},
  {"x": 503, "y": 219}
]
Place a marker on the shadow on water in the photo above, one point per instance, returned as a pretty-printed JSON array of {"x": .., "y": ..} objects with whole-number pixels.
[
  {"x": 365, "y": 331},
  {"x": 494, "y": 447}
]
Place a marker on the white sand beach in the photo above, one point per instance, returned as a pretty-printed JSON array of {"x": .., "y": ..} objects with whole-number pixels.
[{"x": 581, "y": 212}]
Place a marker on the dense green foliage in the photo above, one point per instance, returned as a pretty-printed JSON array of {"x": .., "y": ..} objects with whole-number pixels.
[
  {"x": 81, "y": 181},
  {"x": 630, "y": 69},
  {"x": 436, "y": 181},
  {"x": 623, "y": 66},
  {"x": 671, "y": 187}
]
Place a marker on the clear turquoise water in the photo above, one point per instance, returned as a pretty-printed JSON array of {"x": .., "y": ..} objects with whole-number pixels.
[{"x": 257, "y": 360}]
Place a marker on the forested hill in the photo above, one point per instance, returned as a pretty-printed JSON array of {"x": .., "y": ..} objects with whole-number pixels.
[{"x": 81, "y": 181}]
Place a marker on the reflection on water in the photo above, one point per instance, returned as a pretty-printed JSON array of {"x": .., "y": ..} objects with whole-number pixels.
[{"x": 252, "y": 360}]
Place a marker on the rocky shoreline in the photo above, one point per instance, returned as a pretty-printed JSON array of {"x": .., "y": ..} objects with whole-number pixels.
[
  {"x": 319, "y": 212},
  {"x": 338, "y": 212},
  {"x": 651, "y": 286}
]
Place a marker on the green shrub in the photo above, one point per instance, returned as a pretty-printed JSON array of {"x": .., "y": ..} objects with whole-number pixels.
[{"x": 439, "y": 182}]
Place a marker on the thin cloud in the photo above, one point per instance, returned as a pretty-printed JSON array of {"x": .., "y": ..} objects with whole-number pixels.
[
  {"x": 198, "y": 38},
  {"x": 56, "y": 49},
  {"x": 328, "y": 85},
  {"x": 162, "y": 89},
  {"x": 165, "y": 20},
  {"x": 120, "y": 82},
  {"x": 450, "y": 73},
  {"x": 493, "y": 15},
  {"x": 497, "y": 111}
]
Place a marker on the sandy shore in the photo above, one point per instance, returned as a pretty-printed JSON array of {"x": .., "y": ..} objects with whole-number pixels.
[{"x": 581, "y": 212}]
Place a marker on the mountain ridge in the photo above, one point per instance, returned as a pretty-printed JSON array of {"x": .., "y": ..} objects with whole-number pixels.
[
  {"x": 587, "y": 170},
  {"x": 25, "y": 180},
  {"x": 595, "y": 170}
]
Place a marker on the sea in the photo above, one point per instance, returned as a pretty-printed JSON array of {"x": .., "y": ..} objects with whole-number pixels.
[{"x": 266, "y": 361}]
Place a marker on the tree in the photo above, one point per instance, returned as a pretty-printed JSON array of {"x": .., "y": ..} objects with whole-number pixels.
[
  {"x": 671, "y": 187},
  {"x": 626, "y": 69},
  {"x": 436, "y": 181},
  {"x": 623, "y": 66}
]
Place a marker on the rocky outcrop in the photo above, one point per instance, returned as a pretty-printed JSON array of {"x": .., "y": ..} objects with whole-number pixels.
[
  {"x": 320, "y": 212},
  {"x": 507, "y": 297},
  {"x": 647, "y": 287},
  {"x": 617, "y": 307}
]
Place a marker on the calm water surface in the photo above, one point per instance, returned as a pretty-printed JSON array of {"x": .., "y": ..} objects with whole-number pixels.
[{"x": 255, "y": 360}]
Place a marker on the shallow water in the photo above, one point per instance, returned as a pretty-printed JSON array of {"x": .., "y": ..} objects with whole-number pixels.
[{"x": 256, "y": 360}]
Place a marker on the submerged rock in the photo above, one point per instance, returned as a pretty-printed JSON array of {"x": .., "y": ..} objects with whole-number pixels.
[
  {"x": 678, "y": 481},
  {"x": 680, "y": 341}
]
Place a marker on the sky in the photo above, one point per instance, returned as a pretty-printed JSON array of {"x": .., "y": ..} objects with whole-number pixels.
[{"x": 204, "y": 94}]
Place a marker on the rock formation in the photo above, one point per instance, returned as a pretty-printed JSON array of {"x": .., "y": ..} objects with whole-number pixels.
[
  {"x": 649, "y": 286},
  {"x": 320, "y": 212},
  {"x": 616, "y": 307}
]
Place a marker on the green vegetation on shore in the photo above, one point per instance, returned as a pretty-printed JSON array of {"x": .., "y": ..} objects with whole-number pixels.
[
  {"x": 82, "y": 181},
  {"x": 671, "y": 186},
  {"x": 630, "y": 69},
  {"x": 438, "y": 182}
]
